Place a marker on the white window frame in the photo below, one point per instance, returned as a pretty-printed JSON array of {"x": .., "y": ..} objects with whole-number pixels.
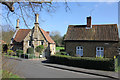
[
  {"x": 28, "y": 43},
  {"x": 99, "y": 52},
  {"x": 79, "y": 51}
]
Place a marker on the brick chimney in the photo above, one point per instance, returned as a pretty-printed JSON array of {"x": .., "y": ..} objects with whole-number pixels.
[
  {"x": 48, "y": 32},
  {"x": 89, "y": 21},
  {"x": 17, "y": 26},
  {"x": 36, "y": 18}
]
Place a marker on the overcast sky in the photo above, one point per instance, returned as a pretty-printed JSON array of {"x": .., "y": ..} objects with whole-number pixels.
[{"x": 101, "y": 13}]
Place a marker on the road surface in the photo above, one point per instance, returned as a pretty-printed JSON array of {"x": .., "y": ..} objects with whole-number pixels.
[{"x": 36, "y": 69}]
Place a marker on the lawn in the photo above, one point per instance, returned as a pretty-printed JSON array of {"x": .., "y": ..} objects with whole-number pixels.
[
  {"x": 58, "y": 48},
  {"x": 7, "y": 75}
]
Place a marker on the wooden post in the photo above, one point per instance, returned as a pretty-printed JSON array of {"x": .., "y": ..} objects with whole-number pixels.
[{"x": 116, "y": 63}]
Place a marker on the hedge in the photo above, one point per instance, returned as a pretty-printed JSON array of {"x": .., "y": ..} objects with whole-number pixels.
[{"x": 84, "y": 62}]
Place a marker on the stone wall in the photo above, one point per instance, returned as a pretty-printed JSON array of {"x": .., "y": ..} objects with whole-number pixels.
[
  {"x": 89, "y": 48},
  {"x": 36, "y": 37}
]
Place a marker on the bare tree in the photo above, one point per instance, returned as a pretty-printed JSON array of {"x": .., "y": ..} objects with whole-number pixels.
[{"x": 27, "y": 10}]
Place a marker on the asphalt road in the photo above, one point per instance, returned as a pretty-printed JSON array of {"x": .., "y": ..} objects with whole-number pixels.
[{"x": 36, "y": 69}]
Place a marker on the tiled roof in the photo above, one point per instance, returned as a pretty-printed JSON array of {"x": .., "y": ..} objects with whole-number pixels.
[
  {"x": 22, "y": 33},
  {"x": 49, "y": 39},
  {"x": 108, "y": 32}
]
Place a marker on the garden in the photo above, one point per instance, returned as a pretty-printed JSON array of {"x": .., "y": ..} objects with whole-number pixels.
[{"x": 19, "y": 53}]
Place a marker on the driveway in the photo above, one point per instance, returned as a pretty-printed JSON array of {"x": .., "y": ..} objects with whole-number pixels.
[{"x": 35, "y": 69}]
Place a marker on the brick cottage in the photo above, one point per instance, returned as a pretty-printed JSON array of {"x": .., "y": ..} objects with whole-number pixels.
[{"x": 92, "y": 40}]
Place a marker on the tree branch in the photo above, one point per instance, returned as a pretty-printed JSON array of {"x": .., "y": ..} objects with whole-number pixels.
[{"x": 9, "y": 5}]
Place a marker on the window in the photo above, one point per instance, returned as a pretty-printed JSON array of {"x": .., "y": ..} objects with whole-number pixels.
[
  {"x": 42, "y": 42},
  {"x": 99, "y": 51},
  {"x": 29, "y": 43},
  {"x": 79, "y": 51}
]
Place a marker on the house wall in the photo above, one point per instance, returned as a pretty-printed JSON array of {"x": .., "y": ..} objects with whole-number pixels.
[
  {"x": 25, "y": 43},
  {"x": 52, "y": 49},
  {"x": 36, "y": 38},
  {"x": 89, "y": 48}
]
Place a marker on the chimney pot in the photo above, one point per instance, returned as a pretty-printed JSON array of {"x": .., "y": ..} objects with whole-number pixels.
[
  {"x": 36, "y": 18},
  {"x": 17, "y": 26},
  {"x": 89, "y": 21},
  {"x": 47, "y": 32}
]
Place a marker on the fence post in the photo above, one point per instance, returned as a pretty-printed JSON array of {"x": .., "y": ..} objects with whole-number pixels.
[{"x": 116, "y": 63}]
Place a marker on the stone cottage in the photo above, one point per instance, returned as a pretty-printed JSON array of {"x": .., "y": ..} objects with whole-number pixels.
[
  {"x": 92, "y": 40},
  {"x": 25, "y": 38}
]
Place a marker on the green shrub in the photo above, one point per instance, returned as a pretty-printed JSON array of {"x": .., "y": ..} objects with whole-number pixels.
[
  {"x": 39, "y": 48},
  {"x": 24, "y": 56},
  {"x": 30, "y": 50},
  {"x": 19, "y": 52},
  {"x": 31, "y": 56},
  {"x": 9, "y": 52},
  {"x": 84, "y": 62},
  {"x": 4, "y": 48}
]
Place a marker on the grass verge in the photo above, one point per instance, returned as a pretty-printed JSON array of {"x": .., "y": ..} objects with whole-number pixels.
[
  {"x": 6, "y": 75},
  {"x": 58, "y": 48}
]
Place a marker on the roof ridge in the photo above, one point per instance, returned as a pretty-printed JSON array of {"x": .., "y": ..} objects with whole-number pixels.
[{"x": 24, "y": 29}]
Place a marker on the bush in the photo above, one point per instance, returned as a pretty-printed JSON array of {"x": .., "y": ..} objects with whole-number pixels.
[
  {"x": 30, "y": 50},
  {"x": 31, "y": 56},
  {"x": 19, "y": 52},
  {"x": 4, "y": 48},
  {"x": 9, "y": 52},
  {"x": 39, "y": 48},
  {"x": 24, "y": 56},
  {"x": 84, "y": 62}
]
